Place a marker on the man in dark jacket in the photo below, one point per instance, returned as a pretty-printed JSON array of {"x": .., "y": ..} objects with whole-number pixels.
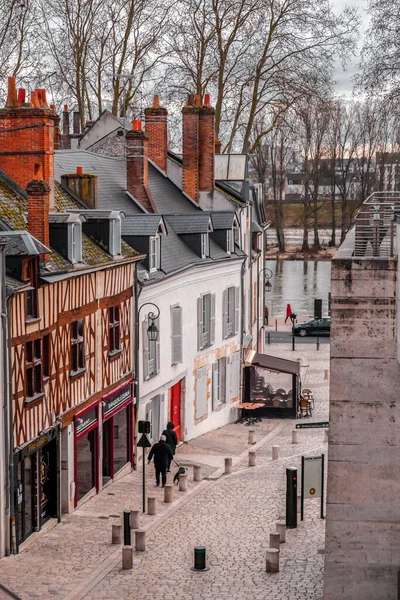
[
  {"x": 172, "y": 440},
  {"x": 162, "y": 457}
]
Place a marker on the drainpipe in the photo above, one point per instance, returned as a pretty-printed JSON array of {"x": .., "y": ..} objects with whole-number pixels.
[
  {"x": 11, "y": 427},
  {"x": 137, "y": 292},
  {"x": 242, "y": 272},
  {"x": 5, "y": 402}
]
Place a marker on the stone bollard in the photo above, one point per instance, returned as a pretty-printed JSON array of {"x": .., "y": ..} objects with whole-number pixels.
[
  {"x": 274, "y": 540},
  {"x": 326, "y": 431},
  {"x": 272, "y": 565},
  {"x": 140, "y": 540},
  {"x": 127, "y": 557},
  {"x": 197, "y": 473},
  {"x": 116, "y": 534},
  {"x": 275, "y": 452},
  {"x": 281, "y": 529},
  {"x": 326, "y": 374},
  {"x": 228, "y": 466},
  {"x": 135, "y": 519},
  {"x": 168, "y": 493},
  {"x": 151, "y": 506},
  {"x": 295, "y": 437},
  {"x": 183, "y": 484},
  {"x": 251, "y": 436},
  {"x": 252, "y": 459}
]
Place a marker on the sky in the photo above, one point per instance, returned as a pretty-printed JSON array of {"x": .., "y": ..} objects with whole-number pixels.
[{"x": 344, "y": 83}]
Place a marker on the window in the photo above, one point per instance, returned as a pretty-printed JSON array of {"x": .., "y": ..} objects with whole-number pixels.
[
  {"x": 176, "y": 335},
  {"x": 115, "y": 237},
  {"x": 114, "y": 341},
  {"x": 205, "y": 245},
  {"x": 229, "y": 241},
  {"x": 205, "y": 321},
  {"x": 219, "y": 382},
  {"x": 236, "y": 234},
  {"x": 33, "y": 368},
  {"x": 154, "y": 253},
  {"x": 46, "y": 355},
  {"x": 75, "y": 242},
  {"x": 30, "y": 268},
  {"x": 201, "y": 392},
  {"x": 230, "y": 321},
  {"x": 77, "y": 346},
  {"x": 155, "y": 410},
  {"x": 151, "y": 352}
]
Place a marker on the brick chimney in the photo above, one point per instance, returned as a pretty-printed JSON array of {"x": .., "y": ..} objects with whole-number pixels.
[
  {"x": 83, "y": 185},
  {"x": 156, "y": 128},
  {"x": 206, "y": 145},
  {"x": 65, "y": 138},
  {"x": 27, "y": 136},
  {"x": 137, "y": 150},
  {"x": 57, "y": 136},
  {"x": 190, "y": 146},
  {"x": 217, "y": 146},
  {"x": 38, "y": 207}
]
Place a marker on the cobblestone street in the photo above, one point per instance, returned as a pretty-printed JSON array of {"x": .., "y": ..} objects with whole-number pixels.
[{"x": 231, "y": 515}]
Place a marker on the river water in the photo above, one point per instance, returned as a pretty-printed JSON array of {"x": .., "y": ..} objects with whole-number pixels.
[{"x": 298, "y": 282}]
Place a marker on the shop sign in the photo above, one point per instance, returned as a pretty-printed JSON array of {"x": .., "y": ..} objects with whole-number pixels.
[
  {"x": 86, "y": 420},
  {"x": 117, "y": 399},
  {"x": 38, "y": 443},
  {"x": 312, "y": 477}
]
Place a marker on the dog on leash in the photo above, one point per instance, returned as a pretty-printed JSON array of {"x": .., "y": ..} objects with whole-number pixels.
[{"x": 180, "y": 471}]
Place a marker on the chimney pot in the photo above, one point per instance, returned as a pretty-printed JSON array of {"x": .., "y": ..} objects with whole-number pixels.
[
  {"x": 21, "y": 96},
  {"x": 35, "y": 99},
  {"x": 207, "y": 101},
  {"x": 79, "y": 170},
  {"x": 37, "y": 172},
  {"x": 53, "y": 106},
  {"x": 12, "y": 93},
  {"x": 43, "y": 103},
  {"x": 156, "y": 102},
  {"x": 137, "y": 125},
  {"x": 197, "y": 100}
]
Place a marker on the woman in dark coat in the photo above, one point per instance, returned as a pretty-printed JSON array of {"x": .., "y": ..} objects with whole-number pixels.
[
  {"x": 172, "y": 440},
  {"x": 162, "y": 457}
]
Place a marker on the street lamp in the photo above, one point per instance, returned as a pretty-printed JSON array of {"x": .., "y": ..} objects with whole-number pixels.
[
  {"x": 152, "y": 330},
  {"x": 267, "y": 288}
]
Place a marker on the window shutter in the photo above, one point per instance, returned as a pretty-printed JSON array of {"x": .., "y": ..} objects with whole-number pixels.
[
  {"x": 199, "y": 323},
  {"x": 215, "y": 376},
  {"x": 224, "y": 314},
  {"x": 176, "y": 335},
  {"x": 228, "y": 379},
  {"x": 235, "y": 374},
  {"x": 237, "y": 308},
  {"x": 157, "y": 357},
  {"x": 145, "y": 345},
  {"x": 161, "y": 417},
  {"x": 222, "y": 391},
  {"x": 201, "y": 392},
  {"x": 212, "y": 320}
]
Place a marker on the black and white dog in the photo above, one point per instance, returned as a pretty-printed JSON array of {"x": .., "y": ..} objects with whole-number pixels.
[{"x": 180, "y": 471}]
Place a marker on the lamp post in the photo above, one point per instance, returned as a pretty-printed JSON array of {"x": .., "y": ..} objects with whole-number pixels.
[
  {"x": 266, "y": 289},
  {"x": 152, "y": 334}
]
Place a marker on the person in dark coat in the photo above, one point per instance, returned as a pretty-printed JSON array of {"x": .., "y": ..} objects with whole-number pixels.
[
  {"x": 172, "y": 440},
  {"x": 162, "y": 457}
]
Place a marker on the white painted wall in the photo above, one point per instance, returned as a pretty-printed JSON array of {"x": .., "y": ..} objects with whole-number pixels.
[{"x": 184, "y": 289}]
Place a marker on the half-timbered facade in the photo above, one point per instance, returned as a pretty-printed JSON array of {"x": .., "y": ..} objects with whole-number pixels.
[{"x": 71, "y": 308}]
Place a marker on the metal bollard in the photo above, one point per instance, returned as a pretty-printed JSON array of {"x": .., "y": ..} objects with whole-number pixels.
[
  {"x": 326, "y": 432},
  {"x": 272, "y": 564},
  {"x": 183, "y": 484},
  {"x": 228, "y": 466},
  {"x": 116, "y": 534},
  {"x": 127, "y": 527},
  {"x": 127, "y": 557},
  {"x": 140, "y": 540},
  {"x": 252, "y": 459},
  {"x": 275, "y": 452},
  {"x": 251, "y": 436},
  {"x": 281, "y": 529},
  {"x": 200, "y": 563},
  {"x": 293, "y": 343},
  {"x": 135, "y": 519},
  {"x": 151, "y": 506},
  {"x": 295, "y": 437},
  {"x": 197, "y": 473},
  {"x": 274, "y": 540},
  {"x": 168, "y": 493}
]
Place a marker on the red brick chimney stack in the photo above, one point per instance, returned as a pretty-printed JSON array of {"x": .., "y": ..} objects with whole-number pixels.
[
  {"x": 190, "y": 146},
  {"x": 83, "y": 185},
  {"x": 12, "y": 93},
  {"x": 217, "y": 146},
  {"x": 206, "y": 145},
  {"x": 137, "y": 151},
  {"x": 38, "y": 207},
  {"x": 155, "y": 118}
]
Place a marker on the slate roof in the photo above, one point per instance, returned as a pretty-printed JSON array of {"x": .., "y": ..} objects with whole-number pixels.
[
  {"x": 222, "y": 220},
  {"x": 21, "y": 243},
  {"x": 187, "y": 224},
  {"x": 141, "y": 225},
  {"x": 167, "y": 196}
]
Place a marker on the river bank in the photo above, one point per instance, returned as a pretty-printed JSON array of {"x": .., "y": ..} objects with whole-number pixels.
[{"x": 296, "y": 253}]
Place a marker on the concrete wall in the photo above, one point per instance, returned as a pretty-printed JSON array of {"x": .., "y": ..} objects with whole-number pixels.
[{"x": 363, "y": 509}]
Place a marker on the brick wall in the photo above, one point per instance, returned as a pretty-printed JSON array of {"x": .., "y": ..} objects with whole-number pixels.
[
  {"x": 190, "y": 146},
  {"x": 137, "y": 151},
  {"x": 206, "y": 145},
  {"x": 156, "y": 128}
]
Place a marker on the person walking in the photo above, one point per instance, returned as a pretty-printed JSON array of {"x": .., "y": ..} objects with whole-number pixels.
[
  {"x": 266, "y": 315},
  {"x": 162, "y": 454},
  {"x": 288, "y": 312},
  {"x": 172, "y": 440}
]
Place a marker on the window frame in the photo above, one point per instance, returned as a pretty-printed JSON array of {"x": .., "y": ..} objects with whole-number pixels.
[
  {"x": 77, "y": 346},
  {"x": 204, "y": 245},
  {"x": 75, "y": 242},
  {"x": 29, "y": 274},
  {"x": 114, "y": 330},
  {"x": 33, "y": 366},
  {"x": 154, "y": 253}
]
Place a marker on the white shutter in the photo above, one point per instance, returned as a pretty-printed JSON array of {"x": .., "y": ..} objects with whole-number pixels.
[
  {"x": 237, "y": 309},
  {"x": 161, "y": 417},
  {"x": 157, "y": 356},
  {"x": 201, "y": 392},
  {"x": 145, "y": 345},
  {"x": 176, "y": 335},
  {"x": 235, "y": 374},
  {"x": 228, "y": 379},
  {"x": 224, "y": 314},
  {"x": 222, "y": 375},
  {"x": 212, "y": 320},
  {"x": 215, "y": 385},
  {"x": 199, "y": 323}
]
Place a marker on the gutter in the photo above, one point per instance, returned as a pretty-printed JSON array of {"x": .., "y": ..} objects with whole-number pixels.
[{"x": 9, "y": 386}]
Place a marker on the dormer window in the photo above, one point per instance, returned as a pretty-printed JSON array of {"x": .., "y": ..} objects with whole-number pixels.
[
  {"x": 115, "y": 237},
  {"x": 75, "y": 242},
  {"x": 205, "y": 245},
  {"x": 229, "y": 241},
  {"x": 154, "y": 253}
]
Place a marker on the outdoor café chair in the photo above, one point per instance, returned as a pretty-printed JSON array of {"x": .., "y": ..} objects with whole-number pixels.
[{"x": 305, "y": 408}]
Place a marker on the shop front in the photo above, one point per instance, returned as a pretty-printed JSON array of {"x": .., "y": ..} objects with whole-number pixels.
[
  {"x": 86, "y": 452},
  {"x": 37, "y": 484},
  {"x": 117, "y": 431}
]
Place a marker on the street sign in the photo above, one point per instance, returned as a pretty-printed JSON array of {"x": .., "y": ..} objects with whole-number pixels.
[
  {"x": 144, "y": 426},
  {"x": 312, "y": 477},
  {"x": 317, "y": 308},
  {"x": 322, "y": 425},
  {"x": 144, "y": 442}
]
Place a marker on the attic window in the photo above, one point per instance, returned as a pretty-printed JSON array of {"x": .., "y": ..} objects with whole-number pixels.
[
  {"x": 115, "y": 237},
  {"x": 75, "y": 242},
  {"x": 154, "y": 253},
  {"x": 205, "y": 245},
  {"x": 229, "y": 241}
]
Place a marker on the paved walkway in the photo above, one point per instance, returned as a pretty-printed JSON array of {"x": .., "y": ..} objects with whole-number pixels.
[{"x": 231, "y": 515}]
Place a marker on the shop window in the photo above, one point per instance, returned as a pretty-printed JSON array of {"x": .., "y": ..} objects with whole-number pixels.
[
  {"x": 30, "y": 276},
  {"x": 77, "y": 346},
  {"x": 86, "y": 457},
  {"x": 121, "y": 438},
  {"x": 33, "y": 369},
  {"x": 114, "y": 342}
]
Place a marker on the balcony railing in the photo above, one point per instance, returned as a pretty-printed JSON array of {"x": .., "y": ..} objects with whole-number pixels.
[{"x": 375, "y": 231}]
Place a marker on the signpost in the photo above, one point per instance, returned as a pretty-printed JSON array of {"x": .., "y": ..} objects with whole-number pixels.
[
  {"x": 312, "y": 480},
  {"x": 321, "y": 425},
  {"x": 144, "y": 428},
  {"x": 317, "y": 315}
]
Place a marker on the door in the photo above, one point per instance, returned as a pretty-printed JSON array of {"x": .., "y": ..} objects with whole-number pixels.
[
  {"x": 48, "y": 482},
  {"x": 175, "y": 408},
  {"x": 107, "y": 451}
]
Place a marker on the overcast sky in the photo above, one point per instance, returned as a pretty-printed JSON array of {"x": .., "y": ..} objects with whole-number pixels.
[{"x": 344, "y": 83}]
